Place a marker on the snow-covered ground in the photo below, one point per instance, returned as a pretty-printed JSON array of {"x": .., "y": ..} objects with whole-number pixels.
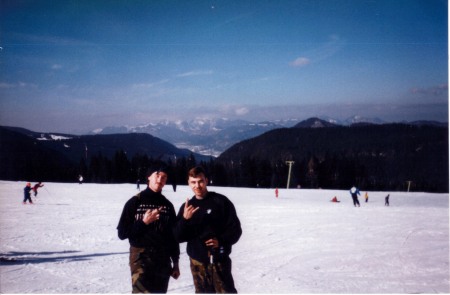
[{"x": 299, "y": 243}]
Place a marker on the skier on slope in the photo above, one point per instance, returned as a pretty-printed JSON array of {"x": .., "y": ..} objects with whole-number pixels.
[
  {"x": 26, "y": 194},
  {"x": 335, "y": 200},
  {"x": 354, "y": 192},
  {"x": 36, "y": 186}
]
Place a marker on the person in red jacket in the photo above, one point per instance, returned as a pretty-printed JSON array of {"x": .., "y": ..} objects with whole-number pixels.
[{"x": 36, "y": 186}]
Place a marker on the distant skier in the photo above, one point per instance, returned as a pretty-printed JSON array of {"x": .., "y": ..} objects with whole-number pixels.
[
  {"x": 80, "y": 179},
  {"x": 354, "y": 192},
  {"x": 386, "y": 200},
  {"x": 27, "y": 194},
  {"x": 35, "y": 188},
  {"x": 335, "y": 200},
  {"x": 366, "y": 196},
  {"x": 276, "y": 192},
  {"x": 138, "y": 185},
  {"x": 174, "y": 173}
]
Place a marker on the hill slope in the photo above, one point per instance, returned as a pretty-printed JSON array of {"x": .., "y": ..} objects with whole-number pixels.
[
  {"x": 32, "y": 155},
  {"x": 381, "y": 156}
]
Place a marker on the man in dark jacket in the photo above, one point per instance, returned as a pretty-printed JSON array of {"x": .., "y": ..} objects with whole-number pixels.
[
  {"x": 209, "y": 224},
  {"x": 147, "y": 222},
  {"x": 354, "y": 192},
  {"x": 27, "y": 194}
]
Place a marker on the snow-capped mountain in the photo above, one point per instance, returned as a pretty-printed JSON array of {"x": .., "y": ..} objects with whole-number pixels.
[
  {"x": 360, "y": 119},
  {"x": 213, "y": 136},
  {"x": 204, "y": 136}
]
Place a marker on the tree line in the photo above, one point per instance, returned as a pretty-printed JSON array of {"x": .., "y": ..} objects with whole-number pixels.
[
  {"x": 331, "y": 171},
  {"x": 394, "y": 158}
]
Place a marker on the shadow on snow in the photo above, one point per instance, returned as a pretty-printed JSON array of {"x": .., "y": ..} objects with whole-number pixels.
[{"x": 42, "y": 257}]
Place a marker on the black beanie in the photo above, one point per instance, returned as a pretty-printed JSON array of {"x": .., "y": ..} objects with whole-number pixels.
[{"x": 158, "y": 168}]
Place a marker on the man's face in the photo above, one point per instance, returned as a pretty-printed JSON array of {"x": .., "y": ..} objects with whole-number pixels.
[
  {"x": 198, "y": 185},
  {"x": 157, "y": 180}
]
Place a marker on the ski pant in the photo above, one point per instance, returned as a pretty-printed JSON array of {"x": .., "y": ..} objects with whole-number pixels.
[
  {"x": 27, "y": 197},
  {"x": 213, "y": 277},
  {"x": 355, "y": 200},
  {"x": 150, "y": 271}
]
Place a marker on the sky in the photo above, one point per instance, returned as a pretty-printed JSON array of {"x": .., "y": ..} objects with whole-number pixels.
[{"x": 74, "y": 66}]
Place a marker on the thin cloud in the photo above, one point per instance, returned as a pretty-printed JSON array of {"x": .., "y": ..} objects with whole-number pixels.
[
  {"x": 56, "y": 67},
  {"x": 241, "y": 111},
  {"x": 196, "y": 73},
  {"x": 17, "y": 85},
  {"x": 326, "y": 50},
  {"x": 7, "y": 85},
  {"x": 46, "y": 39},
  {"x": 149, "y": 85},
  {"x": 434, "y": 90},
  {"x": 300, "y": 62},
  {"x": 233, "y": 20}
]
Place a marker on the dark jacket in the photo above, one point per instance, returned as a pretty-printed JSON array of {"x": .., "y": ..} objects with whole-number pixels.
[
  {"x": 26, "y": 191},
  {"x": 216, "y": 218},
  {"x": 158, "y": 235}
]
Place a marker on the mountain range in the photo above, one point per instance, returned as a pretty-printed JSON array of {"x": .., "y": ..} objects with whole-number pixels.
[
  {"x": 375, "y": 156},
  {"x": 381, "y": 156},
  {"x": 214, "y": 136}
]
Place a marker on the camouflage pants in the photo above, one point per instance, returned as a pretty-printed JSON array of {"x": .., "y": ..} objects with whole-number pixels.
[
  {"x": 150, "y": 271},
  {"x": 213, "y": 278}
]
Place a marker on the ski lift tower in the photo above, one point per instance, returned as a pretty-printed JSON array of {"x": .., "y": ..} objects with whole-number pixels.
[
  {"x": 409, "y": 184},
  {"x": 290, "y": 163}
]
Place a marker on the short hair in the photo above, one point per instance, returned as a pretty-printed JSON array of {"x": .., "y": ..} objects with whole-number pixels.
[{"x": 196, "y": 172}]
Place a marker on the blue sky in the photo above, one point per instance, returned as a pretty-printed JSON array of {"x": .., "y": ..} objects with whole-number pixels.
[{"x": 73, "y": 66}]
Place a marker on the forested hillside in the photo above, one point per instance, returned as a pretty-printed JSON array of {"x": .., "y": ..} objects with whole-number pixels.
[
  {"x": 115, "y": 158},
  {"x": 381, "y": 157},
  {"x": 323, "y": 155}
]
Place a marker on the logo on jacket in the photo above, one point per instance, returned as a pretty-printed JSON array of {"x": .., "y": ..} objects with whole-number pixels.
[{"x": 208, "y": 211}]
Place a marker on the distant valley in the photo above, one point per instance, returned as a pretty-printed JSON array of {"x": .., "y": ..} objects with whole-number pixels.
[{"x": 214, "y": 136}]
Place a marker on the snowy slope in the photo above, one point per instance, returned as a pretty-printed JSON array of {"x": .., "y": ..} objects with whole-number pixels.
[{"x": 299, "y": 243}]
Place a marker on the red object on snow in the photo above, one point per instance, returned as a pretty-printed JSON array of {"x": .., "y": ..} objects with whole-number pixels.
[{"x": 334, "y": 200}]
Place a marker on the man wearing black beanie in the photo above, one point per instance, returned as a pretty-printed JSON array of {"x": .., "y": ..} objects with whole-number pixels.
[{"x": 147, "y": 221}]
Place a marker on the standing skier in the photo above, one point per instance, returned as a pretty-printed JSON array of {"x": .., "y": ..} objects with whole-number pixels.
[
  {"x": 209, "y": 224},
  {"x": 386, "y": 200},
  {"x": 27, "y": 194},
  {"x": 354, "y": 192}
]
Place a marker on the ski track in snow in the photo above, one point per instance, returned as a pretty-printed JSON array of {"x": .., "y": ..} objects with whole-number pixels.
[{"x": 298, "y": 243}]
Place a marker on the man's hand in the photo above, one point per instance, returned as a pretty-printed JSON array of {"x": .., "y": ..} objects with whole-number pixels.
[
  {"x": 189, "y": 210},
  {"x": 151, "y": 215},
  {"x": 214, "y": 243}
]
